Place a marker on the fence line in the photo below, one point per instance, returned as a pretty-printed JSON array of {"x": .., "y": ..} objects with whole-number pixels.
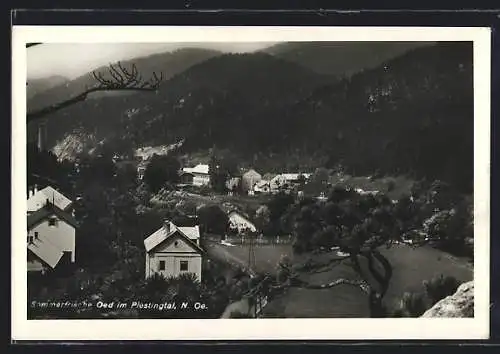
[
  {"x": 240, "y": 240},
  {"x": 258, "y": 241}
]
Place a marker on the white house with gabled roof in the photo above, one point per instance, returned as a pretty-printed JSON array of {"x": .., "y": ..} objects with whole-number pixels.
[
  {"x": 199, "y": 175},
  {"x": 172, "y": 251},
  {"x": 50, "y": 239}
]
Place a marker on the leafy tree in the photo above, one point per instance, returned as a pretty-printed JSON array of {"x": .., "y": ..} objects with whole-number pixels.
[
  {"x": 161, "y": 170},
  {"x": 307, "y": 223},
  {"x": 127, "y": 176},
  {"x": 213, "y": 219},
  {"x": 187, "y": 207},
  {"x": 222, "y": 166},
  {"x": 43, "y": 168},
  {"x": 450, "y": 229},
  {"x": 263, "y": 219},
  {"x": 357, "y": 224},
  {"x": 278, "y": 206},
  {"x": 318, "y": 182},
  {"x": 283, "y": 269}
]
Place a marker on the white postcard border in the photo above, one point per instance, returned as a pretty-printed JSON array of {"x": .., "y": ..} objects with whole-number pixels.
[{"x": 248, "y": 329}]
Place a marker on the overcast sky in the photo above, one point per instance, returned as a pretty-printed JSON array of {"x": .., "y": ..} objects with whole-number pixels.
[{"x": 73, "y": 60}]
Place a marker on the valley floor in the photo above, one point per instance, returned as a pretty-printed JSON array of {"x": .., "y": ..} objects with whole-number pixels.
[{"x": 411, "y": 266}]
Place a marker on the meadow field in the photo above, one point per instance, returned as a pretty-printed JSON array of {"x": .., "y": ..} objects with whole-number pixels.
[{"x": 411, "y": 266}]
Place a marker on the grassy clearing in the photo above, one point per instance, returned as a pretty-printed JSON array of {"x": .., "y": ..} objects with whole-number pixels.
[
  {"x": 414, "y": 265},
  {"x": 411, "y": 267},
  {"x": 340, "y": 301},
  {"x": 266, "y": 256}
]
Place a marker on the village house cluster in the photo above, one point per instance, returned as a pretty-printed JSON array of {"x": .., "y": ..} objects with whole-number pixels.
[
  {"x": 170, "y": 251},
  {"x": 252, "y": 182}
]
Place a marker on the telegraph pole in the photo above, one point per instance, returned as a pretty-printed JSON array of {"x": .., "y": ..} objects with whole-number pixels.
[{"x": 251, "y": 251}]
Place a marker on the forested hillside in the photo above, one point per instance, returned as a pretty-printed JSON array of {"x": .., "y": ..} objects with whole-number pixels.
[
  {"x": 410, "y": 115},
  {"x": 341, "y": 58}
]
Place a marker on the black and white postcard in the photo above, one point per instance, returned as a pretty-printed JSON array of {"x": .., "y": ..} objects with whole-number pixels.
[{"x": 250, "y": 183}]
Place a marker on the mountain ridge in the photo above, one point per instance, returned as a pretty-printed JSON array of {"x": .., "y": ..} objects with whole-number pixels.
[
  {"x": 36, "y": 86},
  {"x": 341, "y": 58},
  {"x": 168, "y": 63}
]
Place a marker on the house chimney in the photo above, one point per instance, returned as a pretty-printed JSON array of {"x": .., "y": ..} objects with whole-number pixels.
[
  {"x": 35, "y": 189},
  {"x": 167, "y": 225},
  {"x": 30, "y": 192}
]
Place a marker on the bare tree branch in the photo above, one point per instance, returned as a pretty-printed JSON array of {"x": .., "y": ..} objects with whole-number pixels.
[{"x": 119, "y": 78}]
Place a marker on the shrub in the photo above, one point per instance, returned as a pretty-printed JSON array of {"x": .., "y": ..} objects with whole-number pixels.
[
  {"x": 436, "y": 289},
  {"x": 412, "y": 305},
  {"x": 440, "y": 287}
]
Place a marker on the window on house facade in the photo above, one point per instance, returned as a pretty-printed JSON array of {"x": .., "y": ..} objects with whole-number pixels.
[
  {"x": 52, "y": 222},
  {"x": 184, "y": 266},
  {"x": 161, "y": 266},
  {"x": 29, "y": 239},
  {"x": 36, "y": 235}
]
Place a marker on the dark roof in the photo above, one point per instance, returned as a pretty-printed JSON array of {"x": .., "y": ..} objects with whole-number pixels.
[{"x": 48, "y": 210}]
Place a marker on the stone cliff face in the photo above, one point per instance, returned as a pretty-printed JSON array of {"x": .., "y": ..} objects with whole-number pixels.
[{"x": 460, "y": 304}]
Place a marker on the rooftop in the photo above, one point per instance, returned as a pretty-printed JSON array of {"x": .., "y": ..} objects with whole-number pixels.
[
  {"x": 200, "y": 168},
  {"x": 190, "y": 233},
  {"x": 38, "y": 199},
  {"x": 48, "y": 210}
]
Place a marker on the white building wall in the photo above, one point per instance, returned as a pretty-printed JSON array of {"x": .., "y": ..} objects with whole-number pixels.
[
  {"x": 172, "y": 254},
  {"x": 173, "y": 264},
  {"x": 201, "y": 180}
]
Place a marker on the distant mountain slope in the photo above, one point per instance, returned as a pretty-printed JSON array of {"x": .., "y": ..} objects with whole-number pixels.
[
  {"x": 37, "y": 86},
  {"x": 192, "y": 103},
  {"x": 341, "y": 58},
  {"x": 168, "y": 63}
]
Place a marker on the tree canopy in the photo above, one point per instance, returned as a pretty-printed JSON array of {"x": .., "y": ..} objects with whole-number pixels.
[{"x": 161, "y": 169}]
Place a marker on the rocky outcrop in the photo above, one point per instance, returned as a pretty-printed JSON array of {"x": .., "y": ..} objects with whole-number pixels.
[{"x": 460, "y": 304}]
